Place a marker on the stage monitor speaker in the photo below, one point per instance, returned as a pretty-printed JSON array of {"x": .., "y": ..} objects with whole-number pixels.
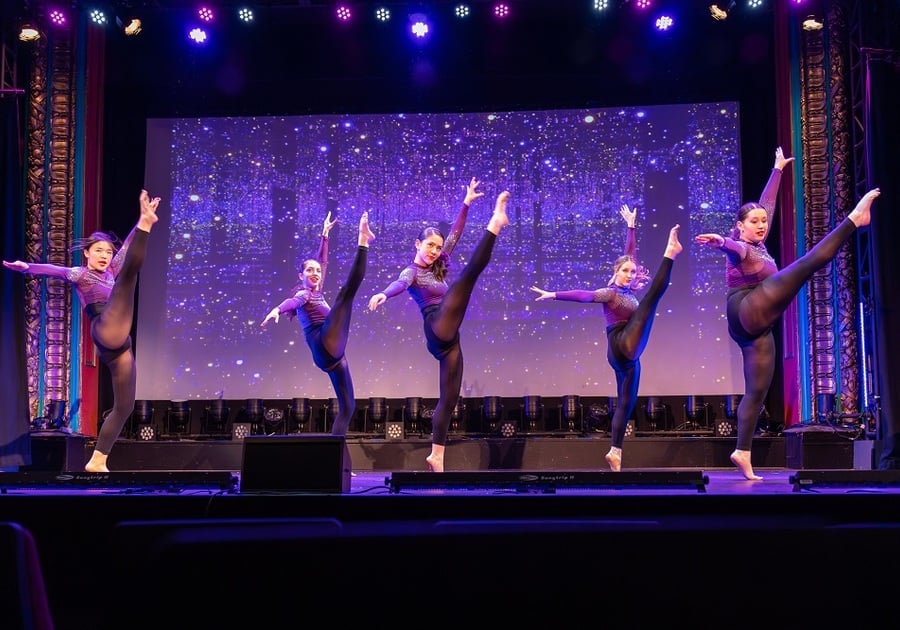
[{"x": 295, "y": 463}]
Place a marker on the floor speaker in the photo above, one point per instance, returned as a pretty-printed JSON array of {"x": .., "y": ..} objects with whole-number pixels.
[{"x": 295, "y": 463}]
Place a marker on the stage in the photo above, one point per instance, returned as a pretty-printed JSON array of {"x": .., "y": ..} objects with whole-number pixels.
[
  {"x": 140, "y": 547},
  {"x": 808, "y": 446}
]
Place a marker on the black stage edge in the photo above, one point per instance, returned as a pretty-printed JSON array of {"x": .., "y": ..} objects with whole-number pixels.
[
  {"x": 169, "y": 481},
  {"x": 807, "y": 479},
  {"x": 548, "y": 482}
]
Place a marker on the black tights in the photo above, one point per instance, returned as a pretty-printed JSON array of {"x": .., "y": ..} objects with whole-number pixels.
[
  {"x": 110, "y": 332},
  {"x": 328, "y": 342},
  {"x": 752, "y": 311},
  {"x": 626, "y": 343},
  {"x": 442, "y": 336}
]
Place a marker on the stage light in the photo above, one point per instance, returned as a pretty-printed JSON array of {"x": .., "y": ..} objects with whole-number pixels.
[
  {"x": 377, "y": 412},
  {"x": 664, "y": 22},
  {"x": 332, "y": 408},
  {"x": 572, "y": 412},
  {"x": 298, "y": 415},
  {"x": 492, "y": 411},
  {"x": 253, "y": 413},
  {"x": 393, "y": 430},
  {"x": 215, "y": 417},
  {"x": 246, "y": 15},
  {"x": 412, "y": 414},
  {"x": 197, "y": 35},
  {"x": 205, "y": 14},
  {"x": 600, "y": 5},
  {"x": 726, "y": 426},
  {"x": 694, "y": 409},
  {"x": 273, "y": 420},
  {"x": 98, "y": 17},
  {"x": 178, "y": 417},
  {"x": 146, "y": 433},
  {"x": 656, "y": 414},
  {"x": 501, "y": 10},
  {"x": 456, "y": 415},
  {"x": 240, "y": 430},
  {"x": 462, "y": 11},
  {"x": 141, "y": 420},
  {"x": 418, "y": 26},
  {"x": 130, "y": 26},
  {"x": 600, "y": 415},
  {"x": 56, "y": 415},
  {"x": 507, "y": 428},
  {"x": 54, "y": 418},
  {"x": 825, "y": 408},
  {"x": 57, "y": 17},
  {"x": 343, "y": 13},
  {"x": 811, "y": 23},
  {"x": 533, "y": 410},
  {"x": 719, "y": 10},
  {"x": 382, "y": 14},
  {"x": 29, "y": 32},
  {"x": 642, "y": 4}
]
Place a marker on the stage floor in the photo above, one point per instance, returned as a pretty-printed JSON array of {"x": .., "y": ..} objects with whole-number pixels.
[
  {"x": 133, "y": 549},
  {"x": 173, "y": 532}
]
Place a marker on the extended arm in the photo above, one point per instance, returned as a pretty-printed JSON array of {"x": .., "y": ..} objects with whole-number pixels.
[
  {"x": 39, "y": 269},
  {"x": 769, "y": 196},
  {"x": 460, "y": 223},
  {"x": 396, "y": 287},
  {"x": 724, "y": 243},
  {"x": 577, "y": 295},
  {"x": 630, "y": 217}
]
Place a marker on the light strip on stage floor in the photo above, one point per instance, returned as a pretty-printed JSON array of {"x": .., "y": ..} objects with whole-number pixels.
[
  {"x": 158, "y": 480},
  {"x": 806, "y": 479},
  {"x": 547, "y": 481}
]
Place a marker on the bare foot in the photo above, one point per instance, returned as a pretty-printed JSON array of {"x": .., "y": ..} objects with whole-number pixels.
[
  {"x": 435, "y": 464},
  {"x": 366, "y": 235},
  {"x": 499, "y": 219},
  {"x": 97, "y": 463},
  {"x": 741, "y": 459},
  {"x": 673, "y": 247},
  {"x": 860, "y": 215},
  {"x": 148, "y": 212},
  {"x": 614, "y": 459}
]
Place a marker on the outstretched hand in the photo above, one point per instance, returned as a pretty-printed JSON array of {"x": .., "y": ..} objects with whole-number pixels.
[
  {"x": 543, "y": 295},
  {"x": 471, "y": 193},
  {"x": 376, "y": 300},
  {"x": 273, "y": 314},
  {"x": 628, "y": 214},
  {"x": 714, "y": 240},
  {"x": 17, "y": 265},
  {"x": 326, "y": 227},
  {"x": 780, "y": 160}
]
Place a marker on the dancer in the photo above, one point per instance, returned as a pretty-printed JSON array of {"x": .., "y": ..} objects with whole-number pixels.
[
  {"x": 444, "y": 307},
  {"x": 105, "y": 287},
  {"x": 628, "y": 323},
  {"x": 758, "y": 294},
  {"x": 326, "y": 329}
]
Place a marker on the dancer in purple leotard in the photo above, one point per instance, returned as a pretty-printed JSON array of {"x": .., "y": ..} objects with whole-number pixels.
[
  {"x": 105, "y": 287},
  {"x": 758, "y": 294},
  {"x": 326, "y": 329},
  {"x": 628, "y": 323},
  {"x": 443, "y": 307}
]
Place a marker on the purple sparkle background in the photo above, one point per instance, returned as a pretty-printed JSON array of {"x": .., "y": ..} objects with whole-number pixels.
[{"x": 244, "y": 200}]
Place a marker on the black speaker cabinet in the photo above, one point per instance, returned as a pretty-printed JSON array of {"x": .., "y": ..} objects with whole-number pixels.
[{"x": 295, "y": 463}]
